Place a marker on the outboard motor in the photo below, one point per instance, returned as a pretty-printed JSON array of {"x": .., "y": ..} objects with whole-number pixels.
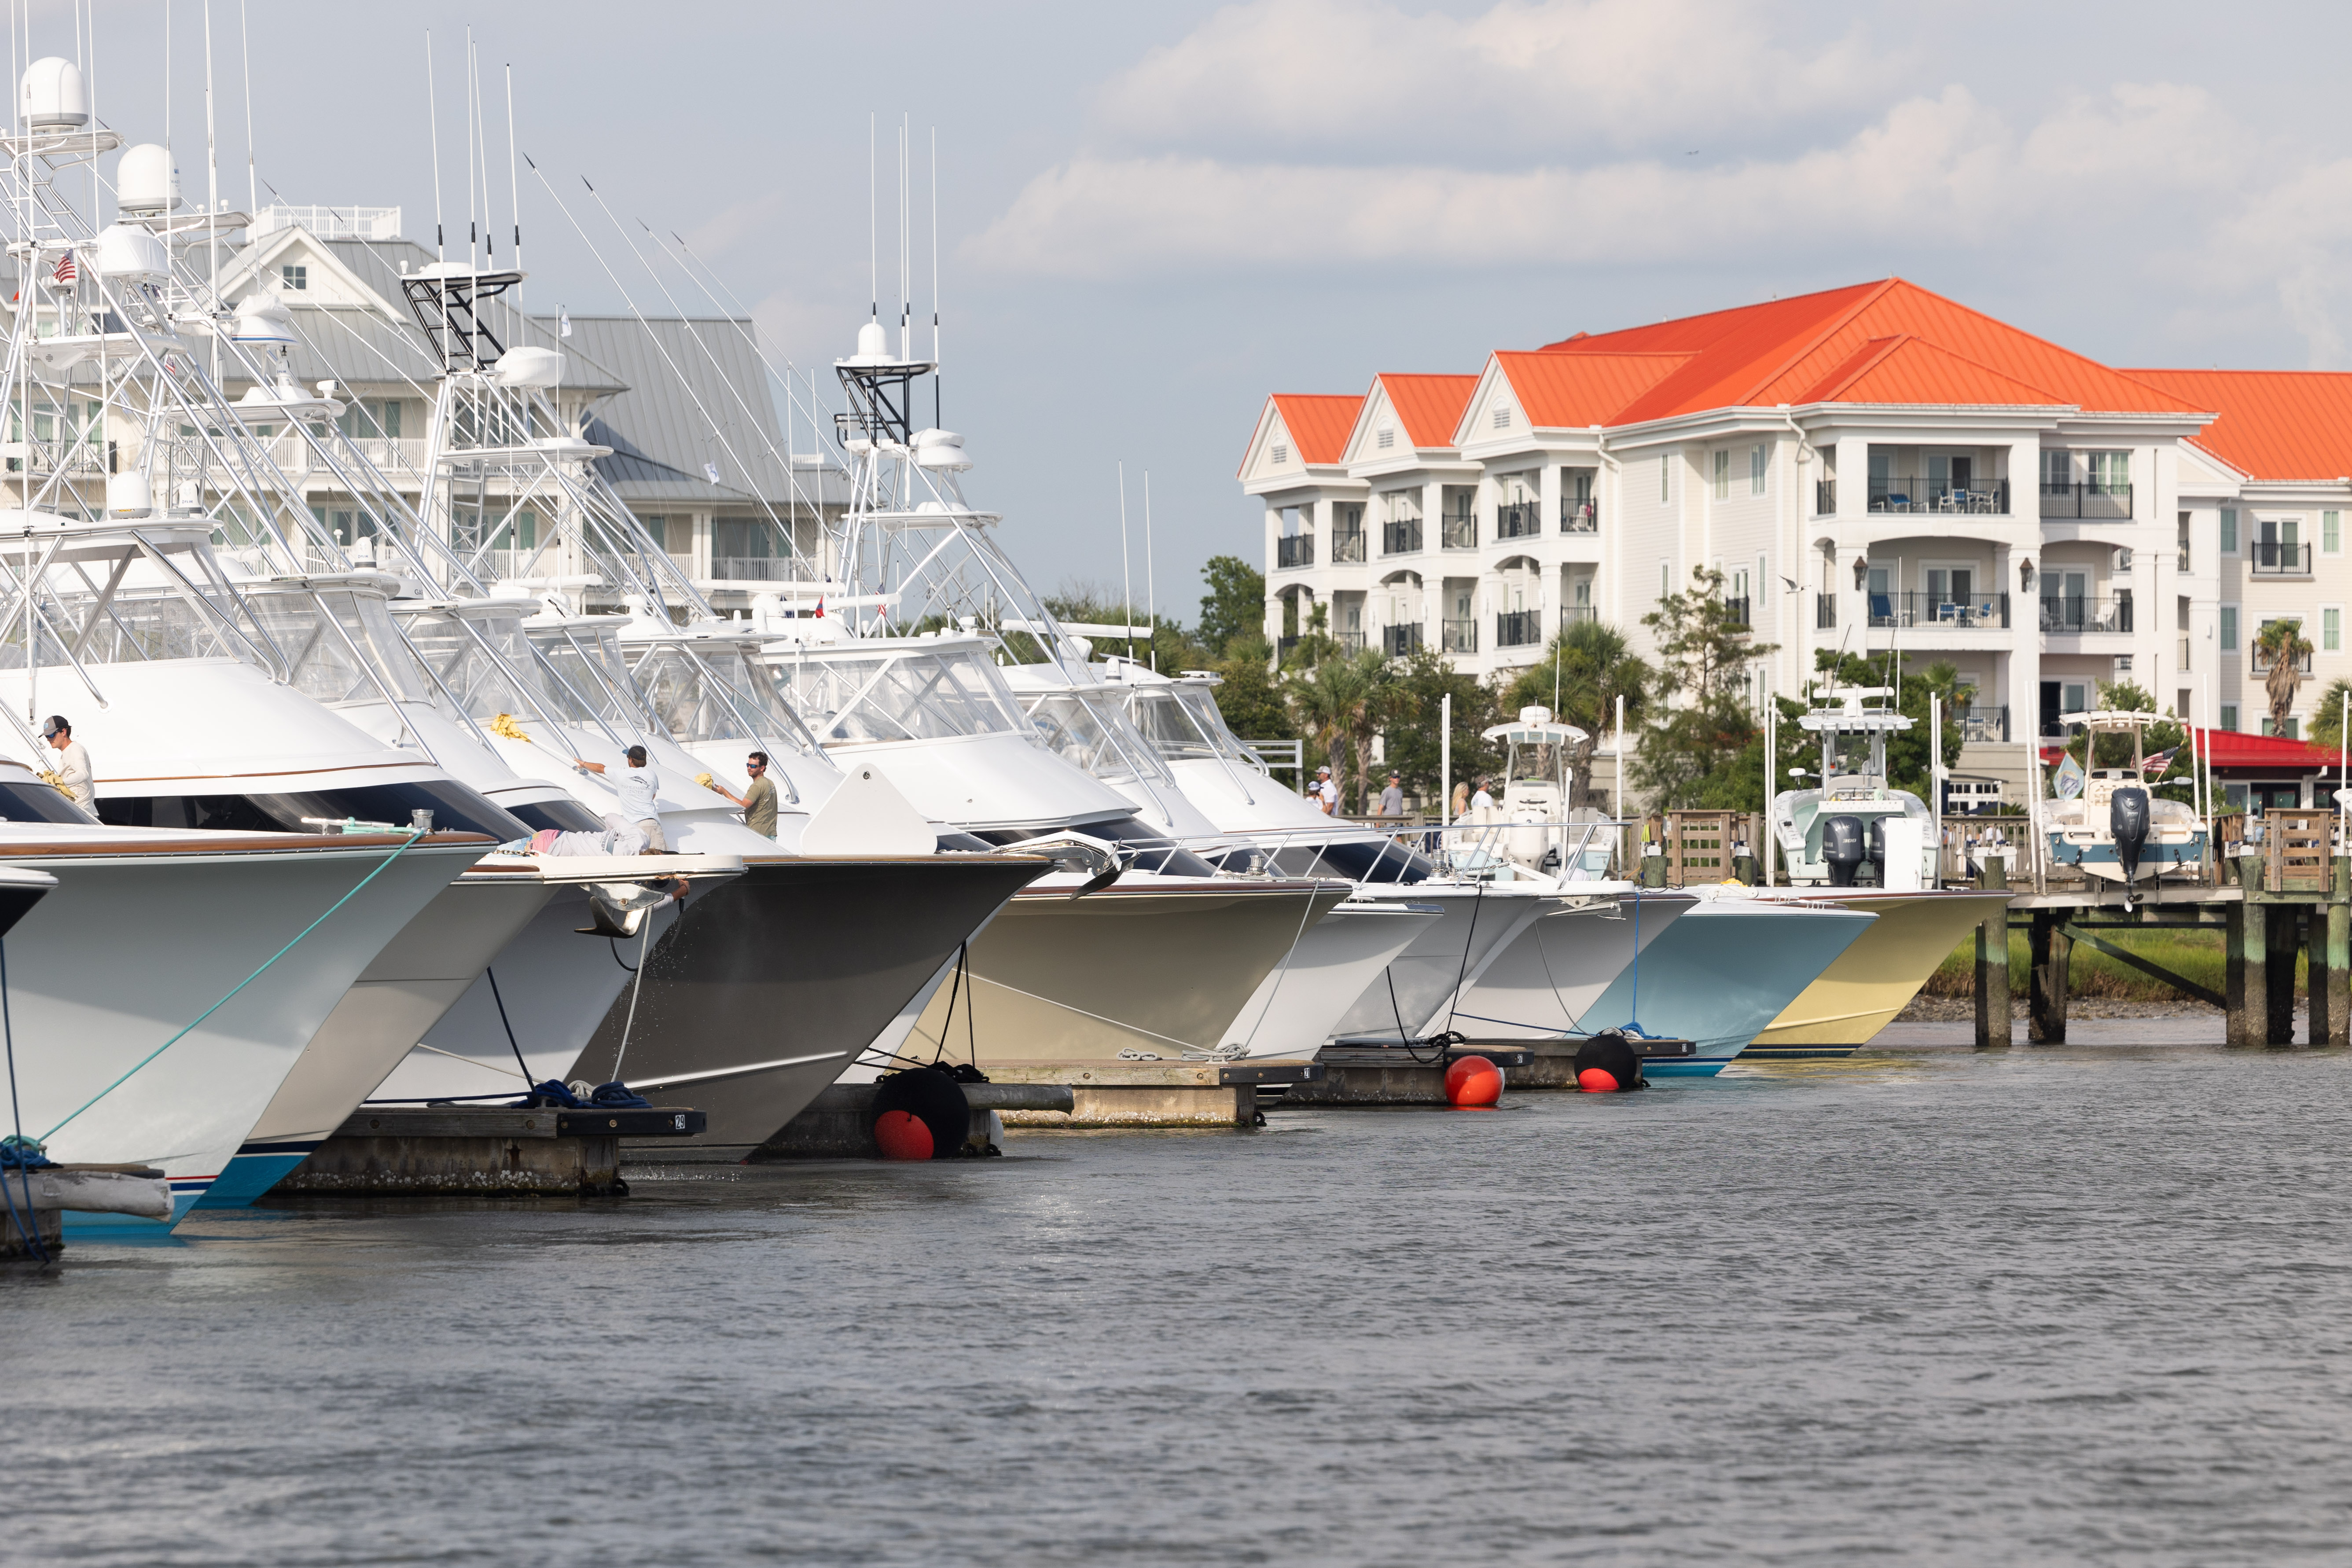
[
  {"x": 1842, "y": 848},
  {"x": 2128, "y": 819},
  {"x": 1873, "y": 873}
]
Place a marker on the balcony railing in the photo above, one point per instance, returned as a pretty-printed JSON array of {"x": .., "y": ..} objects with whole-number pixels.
[
  {"x": 1347, "y": 546},
  {"x": 752, "y": 568},
  {"x": 1399, "y": 641},
  {"x": 1459, "y": 533},
  {"x": 1520, "y": 520},
  {"x": 2269, "y": 558},
  {"x": 1940, "y": 498},
  {"x": 1735, "y": 612},
  {"x": 2078, "y": 613},
  {"x": 1980, "y": 612},
  {"x": 1580, "y": 514},
  {"x": 1575, "y": 614},
  {"x": 1400, "y": 538},
  {"x": 2098, "y": 501},
  {"x": 1977, "y": 722},
  {"x": 1824, "y": 612},
  {"x": 1299, "y": 550},
  {"x": 1824, "y": 497},
  {"x": 1458, "y": 637},
  {"x": 2263, "y": 661},
  {"x": 1517, "y": 629},
  {"x": 1349, "y": 642}
]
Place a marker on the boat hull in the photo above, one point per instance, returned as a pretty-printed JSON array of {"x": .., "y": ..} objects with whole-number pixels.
[
  {"x": 1874, "y": 979},
  {"x": 771, "y": 985},
  {"x": 87, "y": 1022},
  {"x": 400, "y": 997},
  {"x": 1150, "y": 970},
  {"x": 1295, "y": 1009},
  {"x": 1552, "y": 973},
  {"x": 1720, "y": 975},
  {"x": 1450, "y": 955}
]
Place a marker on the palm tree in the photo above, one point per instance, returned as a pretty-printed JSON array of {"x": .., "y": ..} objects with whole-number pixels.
[
  {"x": 1341, "y": 703},
  {"x": 2327, "y": 717},
  {"x": 2282, "y": 641},
  {"x": 1586, "y": 668}
]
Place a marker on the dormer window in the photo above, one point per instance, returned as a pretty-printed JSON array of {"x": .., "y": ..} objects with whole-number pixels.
[
  {"x": 1282, "y": 454},
  {"x": 1386, "y": 439},
  {"x": 296, "y": 277},
  {"x": 1502, "y": 418}
]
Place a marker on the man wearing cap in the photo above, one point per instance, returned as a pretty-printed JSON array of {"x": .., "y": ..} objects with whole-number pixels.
[
  {"x": 1326, "y": 793},
  {"x": 71, "y": 774},
  {"x": 759, "y": 801},
  {"x": 638, "y": 785},
  {"x": 1392, "y": 797}
]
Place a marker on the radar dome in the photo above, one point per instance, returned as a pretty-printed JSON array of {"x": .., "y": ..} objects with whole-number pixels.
[
  {"x": 125, "y": 250},
  {"x": 53, "y": 96},
  {"x": 262, "y": 318},
  {"x": 146, "y": 183},
  {"x": 873, "y": 340},
  {"x": 529, "y": 367}
]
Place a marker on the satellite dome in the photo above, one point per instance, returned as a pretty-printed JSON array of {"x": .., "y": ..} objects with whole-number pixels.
[
  {"x": 53, "y": 96},
  {"x": 873, "y": 341},
  {"x": 146, "y": 183},
  {"x": 529, "y": 366},
  {"x": 262, "y": 318},
  {"x": 125, "y": 250}
]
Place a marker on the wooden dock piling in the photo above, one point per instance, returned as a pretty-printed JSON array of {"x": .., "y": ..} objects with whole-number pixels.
[
  {"x": 2054, "y": 957},
  {"x": 2330, "y": 981},
  {"x": 1994, "y": 1008}
]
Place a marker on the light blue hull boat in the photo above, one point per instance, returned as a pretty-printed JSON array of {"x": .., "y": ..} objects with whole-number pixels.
[{"x": 1721, "y": 974}]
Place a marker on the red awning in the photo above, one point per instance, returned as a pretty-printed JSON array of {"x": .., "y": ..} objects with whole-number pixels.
[{"x": 2228, "y": 749}]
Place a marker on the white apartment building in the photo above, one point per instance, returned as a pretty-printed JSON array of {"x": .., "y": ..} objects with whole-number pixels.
[{"x": 1872, "y": 467}]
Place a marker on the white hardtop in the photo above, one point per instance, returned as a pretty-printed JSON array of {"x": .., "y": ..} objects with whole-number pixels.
[
  {"x": 1534, "y": 727},
  {"x": 2117, "y": 718},
  {"x": 1850, "y": 717},
  {"x": 98, "y": 538}
]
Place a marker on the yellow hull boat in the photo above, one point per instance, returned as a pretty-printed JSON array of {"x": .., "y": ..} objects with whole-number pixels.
[{"x": 1875, "y": 978}]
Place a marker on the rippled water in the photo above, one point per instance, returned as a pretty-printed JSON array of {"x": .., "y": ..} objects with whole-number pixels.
[{"x": 2086, "y": 1304}]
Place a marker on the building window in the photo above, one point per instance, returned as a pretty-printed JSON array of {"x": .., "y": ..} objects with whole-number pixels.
[
  {"x": 1282, "y": 454},
  {"x": 1666, "y": 578},
  {"x": 1756, "y": 471},
  {"x": 1386, "y": 439},
  {"x": 2058, "y": 470},
  {"x": 1502, "y": 418},
  {"x": 2331, "y": 533},
  {"x": 2331, "y": 628},
  {"x": 2291, "y": 731},
  {"x": 1665, "y": 477},
  {"x": 296, "y": 277},
  {"x": 1722, "y": 476},
  {"x": 2110, "y": 473},
  {"x": 2230, "y": 716},
  {"x": 2229, "y": 629},
  {"x": 2228, "y": 531}
]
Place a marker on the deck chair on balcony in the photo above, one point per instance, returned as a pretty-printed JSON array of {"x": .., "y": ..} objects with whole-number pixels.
[
  {"x": 1898, "y": 502},
  {"x": 1882, "y": 606}
]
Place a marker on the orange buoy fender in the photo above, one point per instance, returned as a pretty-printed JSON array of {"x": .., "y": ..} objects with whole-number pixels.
[
  {"x": 921, "y": 1114},
  {"x": 1473, "y": 1081}
]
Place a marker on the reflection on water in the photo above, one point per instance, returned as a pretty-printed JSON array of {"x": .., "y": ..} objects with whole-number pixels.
[{"x": 1952, "y": 1307}]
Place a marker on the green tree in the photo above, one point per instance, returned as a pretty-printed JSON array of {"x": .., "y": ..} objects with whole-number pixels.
[
  {"x": 1341, "y": 704},
  {"x": 1249, "y": 696},
  {"x": 1705, "y": 729},
  {"x": 2327, "y": 719},
  {"x": 1234, "y": 605},
  {"x": 2115, "y": 750},
  {"x": 1584, "y": 671},
  {"x": 1412, "y": 739}
]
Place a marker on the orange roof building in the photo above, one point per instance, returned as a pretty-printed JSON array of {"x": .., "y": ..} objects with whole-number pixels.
[{"x": 1867, "y": 469}]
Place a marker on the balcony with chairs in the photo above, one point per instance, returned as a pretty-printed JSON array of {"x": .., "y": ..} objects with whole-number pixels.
[
  {"x": 2273, "y": 558},
  {"x": 1401, "y": 537},
  {"x": 2077, "y": 614},
  {"x": 1399, "y": 641},
  {"x": 1458, "y": 637},
  {"x": 1977, "y": 613},
  {"x": 1979, "y": 722},
  {"x": 1937, "y": 498},
  {"x": 1346, "y": 545},
  {"x": 1580, "y": 514},
  {"x": 1458, "y": 530},
  {"x": 2094, "y": 500},
  {"x": 1297, "y": 550},
  {"x": 1517, "y": 629},
  {"x": 1519, "y": 519}
]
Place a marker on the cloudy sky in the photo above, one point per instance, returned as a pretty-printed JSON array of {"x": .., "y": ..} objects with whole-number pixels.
[{"x": 1151, "y": 217}]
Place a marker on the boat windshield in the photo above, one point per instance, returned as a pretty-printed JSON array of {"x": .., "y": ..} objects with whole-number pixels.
[
  {"x": 894, "y": 691},
  {"x": 341, "y": 646},
  {"x": 487, "y": 667},
  {"x": 587, "y": 660},
  {"x": 705, "y": 694},
  {"x": 1088, "y": 728},
  {"x": 132, "y": 609},
  {"x": 1182, "y": 723}
]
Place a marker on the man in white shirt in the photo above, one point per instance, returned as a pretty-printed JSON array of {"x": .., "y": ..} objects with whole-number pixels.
[
  {"x": 638, "y": 787},
  {"x": 1482, "y": 798},
  {"x": 1327, "y": 793},
  {"x": 72, "y": 771}
]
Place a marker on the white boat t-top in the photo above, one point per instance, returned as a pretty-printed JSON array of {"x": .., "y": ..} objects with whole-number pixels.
[
  {"x": 2111, "y": 823},
  {"x": 1854, "y": 828}
]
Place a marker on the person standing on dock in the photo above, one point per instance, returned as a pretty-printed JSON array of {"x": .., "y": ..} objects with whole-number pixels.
[
  {"x": 759, "y": 801},
  {"x": 639, "y": 786},
  {"x": 1392, "y": 797},
  {"x": 72, "y": 772}
]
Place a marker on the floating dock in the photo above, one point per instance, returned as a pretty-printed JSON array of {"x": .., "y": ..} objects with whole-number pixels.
[{"x": 461, "y": 1150}]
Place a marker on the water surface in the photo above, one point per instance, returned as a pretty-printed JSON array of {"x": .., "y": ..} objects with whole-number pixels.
[{"x": 2088, "y": 1304}]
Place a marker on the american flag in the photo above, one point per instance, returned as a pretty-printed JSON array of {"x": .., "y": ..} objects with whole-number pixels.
[
  {"x": 2153, "y": 768},
  {"x": 65, "y": 272}
]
